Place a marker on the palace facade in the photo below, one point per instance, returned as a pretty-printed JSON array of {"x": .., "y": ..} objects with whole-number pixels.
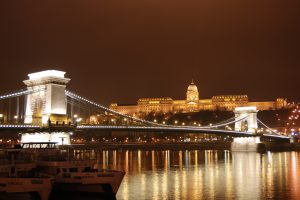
[{"x": 193, "y": 103}]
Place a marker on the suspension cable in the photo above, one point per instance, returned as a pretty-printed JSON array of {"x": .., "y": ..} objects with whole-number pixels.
[
  {"x": 225, "y": 121},
  {"x": 224, "y": 124},
  {"x": 215, "y": 125},
  {"x": 20, "y": 93},
  {"x": 267, "y": 127},
  {"x": 79, "y": 98}
]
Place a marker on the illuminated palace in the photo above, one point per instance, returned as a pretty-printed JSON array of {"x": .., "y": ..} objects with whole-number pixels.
[{"x": 193, "y": 103}]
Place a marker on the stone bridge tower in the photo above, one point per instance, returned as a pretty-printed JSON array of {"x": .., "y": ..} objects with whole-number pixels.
[
  {"x": 48, "y": 101},
  {"x": 249, "y": 124}
]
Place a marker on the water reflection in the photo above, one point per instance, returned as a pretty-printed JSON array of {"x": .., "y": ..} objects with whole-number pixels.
[{"x": 205, "y": 174}]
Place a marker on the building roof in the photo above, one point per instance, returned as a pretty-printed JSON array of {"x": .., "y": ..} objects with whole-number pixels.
[
  {"x": 192, "y": 87},
  {"x": 46, "y": 73},
  {"x": 46, "y": 77}
]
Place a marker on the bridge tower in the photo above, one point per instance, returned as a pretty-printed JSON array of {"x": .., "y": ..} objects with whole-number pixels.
[
  {"x": 49, "y": 100},
  {"x": 249, "y": 124}
]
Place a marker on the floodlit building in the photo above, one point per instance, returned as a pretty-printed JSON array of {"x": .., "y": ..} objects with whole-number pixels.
[
  {"x": 193, "y": 103},
  {"x": 47, "y": 100}
]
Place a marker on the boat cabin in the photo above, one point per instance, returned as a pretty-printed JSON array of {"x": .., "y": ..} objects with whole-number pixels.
[{"x": 38, "y": 145}]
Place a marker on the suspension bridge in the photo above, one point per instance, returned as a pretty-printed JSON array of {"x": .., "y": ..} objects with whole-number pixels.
[{"x": 46, "y": 103}]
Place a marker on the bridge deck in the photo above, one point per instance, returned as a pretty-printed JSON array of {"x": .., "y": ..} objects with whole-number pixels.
[{"x": 177, "y": 129}]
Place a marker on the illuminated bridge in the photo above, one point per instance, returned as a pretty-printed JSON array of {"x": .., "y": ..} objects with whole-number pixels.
[{"x": 46, "y": 103}]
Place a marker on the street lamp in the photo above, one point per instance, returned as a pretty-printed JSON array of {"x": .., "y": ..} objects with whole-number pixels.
[
  {"x": 112, "y": 121},
  {"x": 78, "y": 120},
  {"x": 93, "y": 120},
  {"x": 75, "y": 118},
  {"x": 16, "y": 118}
]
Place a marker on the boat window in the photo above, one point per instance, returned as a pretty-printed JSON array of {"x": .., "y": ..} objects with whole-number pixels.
[
  {"x": 12, "y": 170},
  {"x": 64, "y": 169},
  {"x": 3, "y": 174},
  {"x": 87, "y": 169},
  {"x": 106, "y": 175},
  {"x": 73, "y": 169},
  {"x": 57, "y": 171},
  {"x": 66, "y": 175}
]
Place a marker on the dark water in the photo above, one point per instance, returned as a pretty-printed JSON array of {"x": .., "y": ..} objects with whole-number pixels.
[{"x": 204, "y": 175}]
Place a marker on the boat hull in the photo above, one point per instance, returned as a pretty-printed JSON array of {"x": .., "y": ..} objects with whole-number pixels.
[
  {"x": 90, "y": 182},
  {"x": 83, "y": 188},
  {"x": 40, "y": 188}
]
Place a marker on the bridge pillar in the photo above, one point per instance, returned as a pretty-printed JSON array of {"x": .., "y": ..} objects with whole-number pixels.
[
  {"x": 248, "y": 144},
  {"x": 49, "y": 100},
  {"x": 249, "y": 124}
]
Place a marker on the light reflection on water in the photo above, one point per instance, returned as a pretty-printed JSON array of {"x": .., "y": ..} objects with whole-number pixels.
[
  {"x": 205, "y": 174},
  {"x": 156, "y": 175}
]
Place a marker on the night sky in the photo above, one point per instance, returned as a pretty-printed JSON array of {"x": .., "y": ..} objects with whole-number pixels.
[{"x": 122, "y": 50}]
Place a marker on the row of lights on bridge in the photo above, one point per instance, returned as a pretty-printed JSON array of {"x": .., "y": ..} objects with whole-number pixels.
[{"x": 176, "y": 122}]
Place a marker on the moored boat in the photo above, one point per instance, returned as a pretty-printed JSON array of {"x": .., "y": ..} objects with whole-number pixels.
[
  {"x": 79, "y": 176},
  {"x": 18, "y": 175},
  {"x": 74, "y": 173}
]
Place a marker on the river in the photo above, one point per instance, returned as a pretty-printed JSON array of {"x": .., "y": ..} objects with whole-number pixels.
[
  {"x": 191, "y": 175},
  {"x": 206, "y": 174}
]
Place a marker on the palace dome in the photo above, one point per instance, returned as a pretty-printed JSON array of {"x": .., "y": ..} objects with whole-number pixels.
[
  {"x": 192, "y": 93},
  {"x": 192, "y": 87}
]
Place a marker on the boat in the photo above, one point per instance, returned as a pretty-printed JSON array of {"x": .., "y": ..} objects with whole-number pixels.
[
  {"x": 79, "y": 176},
  {"x": 18, "y": 176},
  {"x": 74, "y": 173}
]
